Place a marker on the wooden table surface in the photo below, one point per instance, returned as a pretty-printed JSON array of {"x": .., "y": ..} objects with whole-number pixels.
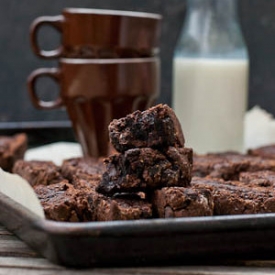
[{"x": 16, "y": 258}]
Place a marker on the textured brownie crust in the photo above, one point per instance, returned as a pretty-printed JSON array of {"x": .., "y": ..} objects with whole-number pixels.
[
  {"x": 232, "y": 197},
  {"x": 157, "y": 127},
  {"x": 172, "y": 202},
  {"x": 82, "y": 167},
  {"x": 204, "y": 165},
  {"x": 143, "y": 169},
  {"x": 258, "y": 179},
  {"x": 62, "y": 202},
  {"x": 87, "y": 183},
  {"x": 267, "y": 151},
  {"x": 228, "y": 166},
  {"x": 38, "y": 172},
  {"x": 12, "y": 148},
  {"x": 259, "y": 164},
  {"x": 110, "y": 209}
]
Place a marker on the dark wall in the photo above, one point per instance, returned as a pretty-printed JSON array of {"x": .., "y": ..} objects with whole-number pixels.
[
  {"x": 17, "y": 60},
  {"x": 258, "y": 21}
]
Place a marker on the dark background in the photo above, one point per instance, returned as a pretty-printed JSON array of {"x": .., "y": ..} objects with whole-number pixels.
[{"x": 17, "y": 60}]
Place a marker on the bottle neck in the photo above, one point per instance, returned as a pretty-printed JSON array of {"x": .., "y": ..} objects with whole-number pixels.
[
  {"x": 211, "y": 26},
  {"x": 219, "y": 9},
  {"x": 212, "y": 15}
]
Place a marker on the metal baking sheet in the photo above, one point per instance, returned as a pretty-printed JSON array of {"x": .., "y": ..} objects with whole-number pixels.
[{"x": 143, "y": 242}]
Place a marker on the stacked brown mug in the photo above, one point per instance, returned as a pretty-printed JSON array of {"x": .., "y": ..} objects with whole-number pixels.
[{"x": 108, "y": 67}]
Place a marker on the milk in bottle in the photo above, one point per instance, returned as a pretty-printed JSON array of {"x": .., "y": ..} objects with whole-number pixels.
[{"x": 210, "y": 77}]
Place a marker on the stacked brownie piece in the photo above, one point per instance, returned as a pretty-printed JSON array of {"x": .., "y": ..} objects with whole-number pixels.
[
  {"x": 151, "y": 153},
  {"x": 152, "y": 159}
]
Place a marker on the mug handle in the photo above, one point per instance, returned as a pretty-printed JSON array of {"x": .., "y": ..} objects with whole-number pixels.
[
  {"x": 54, "y": 21},
  {"x": 31, "y": 82}
]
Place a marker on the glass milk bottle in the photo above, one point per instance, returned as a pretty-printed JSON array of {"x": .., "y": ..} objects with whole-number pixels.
[{"x": 210, "y": 77}]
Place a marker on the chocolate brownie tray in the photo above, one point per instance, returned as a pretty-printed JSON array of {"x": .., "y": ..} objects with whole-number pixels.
[{"x": 143, "y": 242}]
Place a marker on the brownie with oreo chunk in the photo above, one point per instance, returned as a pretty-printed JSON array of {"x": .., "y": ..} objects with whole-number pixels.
[
  {"x": 143, "y": 169},
  {"x": 233, "y": 197},
  {"x": 157, "y": 127},
  {"x": 172, "y": 202},
  {"x": 12, "y": 148},
  {"x": 38, "y": 172}
]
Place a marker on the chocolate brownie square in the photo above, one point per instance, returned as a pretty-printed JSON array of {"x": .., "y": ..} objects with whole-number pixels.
[
  {"x": 259, "y": 164},
  {"x": 143, "y": 169},
  {"x": 258, "y": 179},
  {"x": 86, "y": 183},
  {"x": 229, "y": 166},
  {"x": 82, "y": 167},
  {"x": 267, "y": 151},
  {"x": 172, "y": 202},
  {"x": 225, "y": 166},
  {"x": 204, "y": 165},
  {"x": 62, "y": 202},
  {"x": 124, "y": 207},
  {"x": 12, "y": 148},
  {"x": 38, "y": 172},
  {"x": 232, "y": 197},
  {"x": 127, "y": 208},
  {"x": 157, "y": 127}
]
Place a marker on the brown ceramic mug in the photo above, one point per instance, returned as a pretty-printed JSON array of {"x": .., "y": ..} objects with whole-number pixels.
[
  {"x": 95, "y": 91},
  {"x": 94, "y": 33}
]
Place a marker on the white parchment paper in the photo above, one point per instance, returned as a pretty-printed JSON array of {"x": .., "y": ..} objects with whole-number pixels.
[
  {"x": 259, "y": 128},
  {"x": 20, "y": 191},
  {"x": 55, "y": 152}
]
